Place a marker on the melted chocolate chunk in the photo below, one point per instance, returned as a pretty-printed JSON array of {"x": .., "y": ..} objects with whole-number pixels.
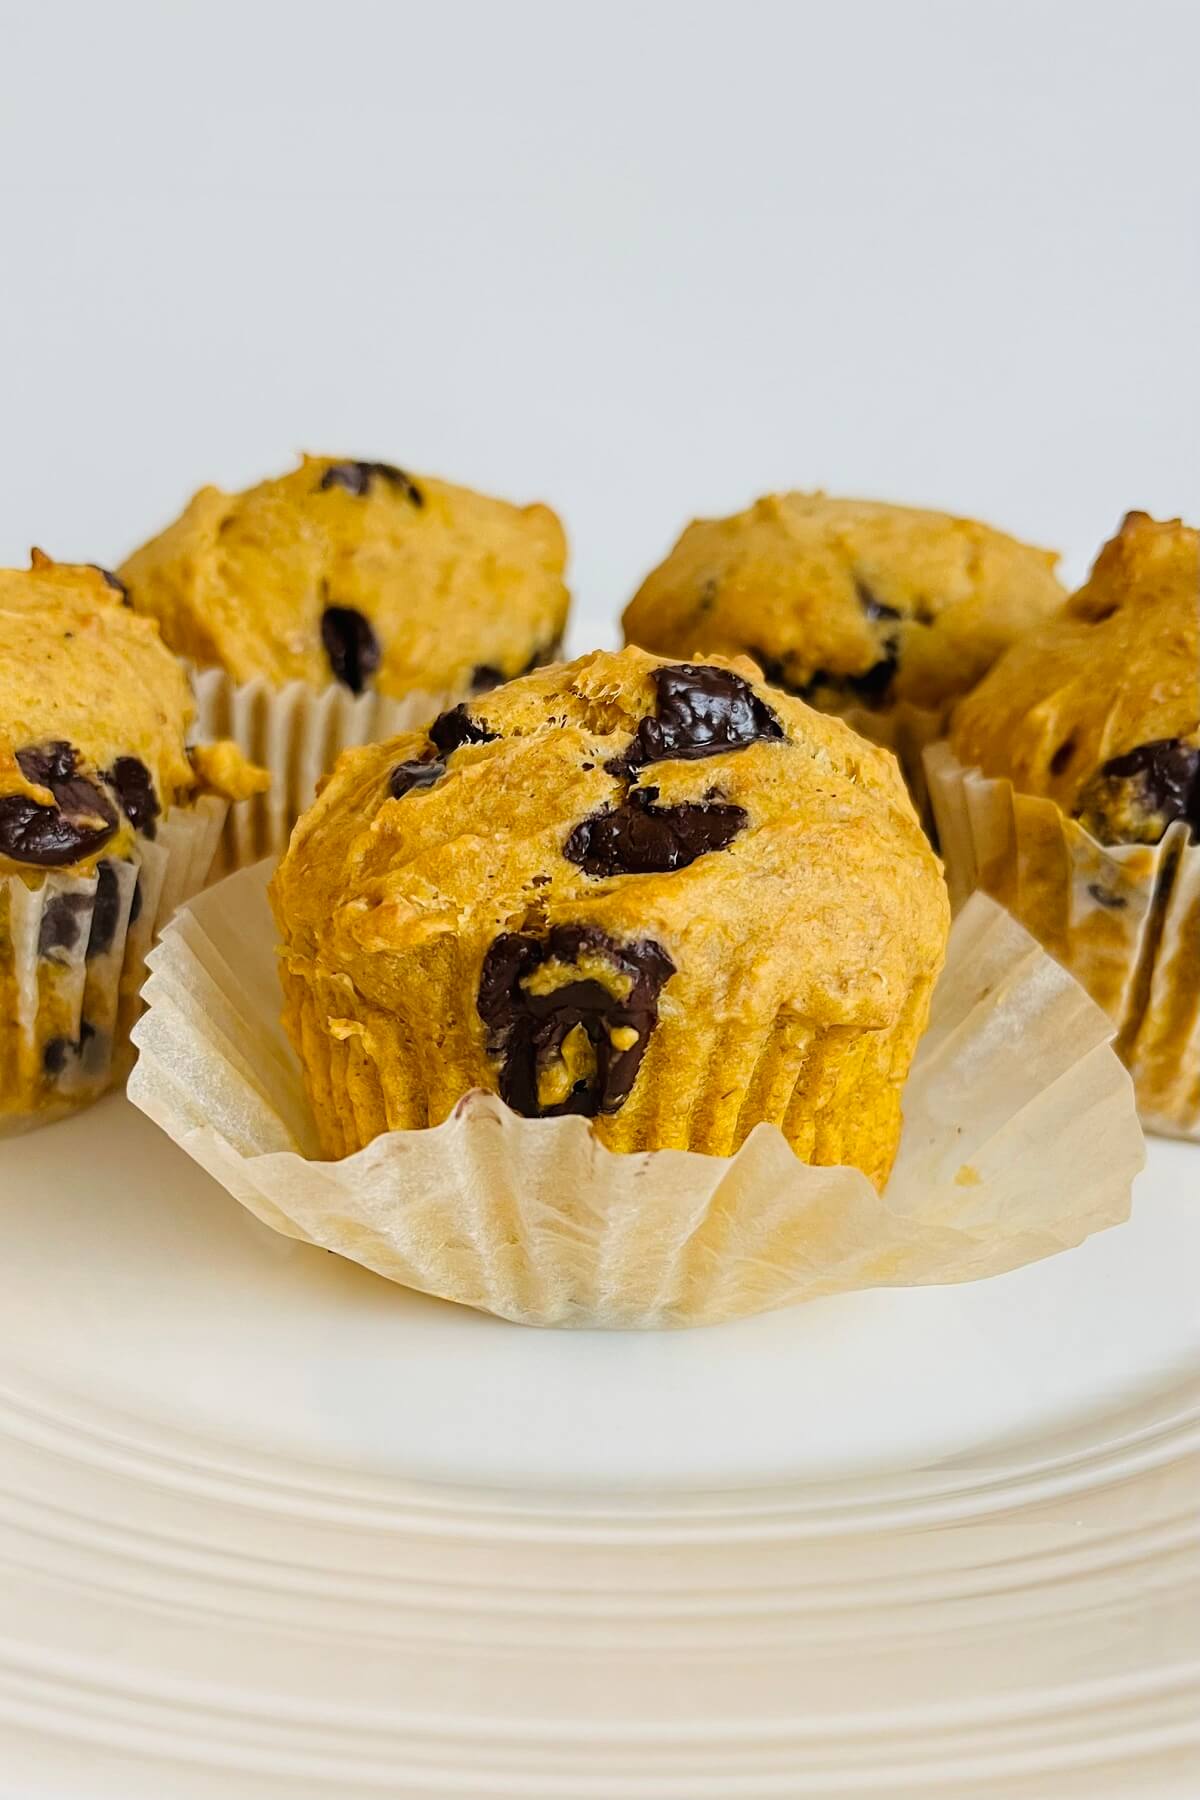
[
  {"x": 1135, "y": 797},
  {"x": 64, "y": 915},
  {"x": 486, "y": 676},
  {"x": 870, "y": 688},
  {"x": 60, "y": 926},
  {"x": 775, "y": 671},
  {"x": 528, "y": 1031},
  {"x": 60, "y": 1050},
  {"x": 451, "y": 730},
  {"x": 135, "y": 790},
  {"x": 114, "y": 582},
  {"x": 80, "y": 822},
  {"x": 872, "y": 607},
  {"x": 638, "y": 838},
  {"x": 830, "y": 690},
  {"x": 701, "y": 711},
  {"x": 106, "y": 910},
  {"x": 1105, "y": 897},
  {"x": 417, "y": 774},
  {"x": 356, "y": 478},
  {"x": 49, "y": 765},
  {"x": 351, "y": 646}
]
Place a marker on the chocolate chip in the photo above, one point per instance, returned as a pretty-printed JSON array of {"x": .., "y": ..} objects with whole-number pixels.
[
  {"x": 114, "y": 582},
  {"x": 1105, "y": 897},
  {"x": 638, "y": 838},
  {"x": 871, "y": 687},
  {"x": 351, "y": 646},
  {"x": 106, "y": 910},
  {"x": 486, "y": 676},
  {"x": 528, "y": 1031},
  {"x": 1135, "y": 797},
  {"x": 59, "y": 928},
  {"x": 774, "y": 671},
  {"x": 873, "y": 607},
  {"x": 420, "y": 773},
  {"x": 135, "y": 790},
  {"x": 58, "y": 1051},
  {"x": 49, "y": 765},
  {"x": 356, "y": 478},
  {"x": 451, "y": 730},
  {"x": 700, "y": 711},
  {"x": 79, "y": 823},
  {"x": 831, "y": 690}
]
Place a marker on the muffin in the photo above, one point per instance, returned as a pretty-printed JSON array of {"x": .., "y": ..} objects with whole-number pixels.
[
  {"x": 383, "y": 594},
  {"x": 106, "y": 819},
  {"x": 660, "y": 895},
  {"x": 883, "y": 614},
  {"x": 1084, "y": 814}
]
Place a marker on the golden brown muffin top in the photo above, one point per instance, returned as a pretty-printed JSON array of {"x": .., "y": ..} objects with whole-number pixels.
[
  {"x": 94, "y": 714},
  {"x": 1099, "y": 710},
  {"x": 359, "y": 573},
  {"x": 848, "y": 603},
  {"x": 627, "y": 821}
]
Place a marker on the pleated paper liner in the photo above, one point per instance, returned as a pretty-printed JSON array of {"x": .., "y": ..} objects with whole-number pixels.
[
  {"x": 1021, "y": 1138},
  {"x": 705, "y": 1079},
  {"x": 73, "y": 959},
  {"x": 1125, "y": 919},
  {"x": 296, "y": 733}
]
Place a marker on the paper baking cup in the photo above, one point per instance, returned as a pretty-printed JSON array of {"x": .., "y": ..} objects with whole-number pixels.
[
  {"x": 1020, "y": 1139},
  {"x": 1125, "y": 919},
  {"x": 296, "y": 733},
  {"x": 73, "y": 959}
]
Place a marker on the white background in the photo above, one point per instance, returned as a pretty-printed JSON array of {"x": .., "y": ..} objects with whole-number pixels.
[{"x": 639, "y": 260}]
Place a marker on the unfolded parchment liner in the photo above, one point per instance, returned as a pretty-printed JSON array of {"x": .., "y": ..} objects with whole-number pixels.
[
  {"x": 296, "y": 733},
  {"x": 1125, "y": 919},
  {"x": 89, "y": 1002},
  {"x": 1020, "y": 1139}
]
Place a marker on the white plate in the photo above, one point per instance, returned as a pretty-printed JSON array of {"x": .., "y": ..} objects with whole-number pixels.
[{"x": 275, "y": 1527}]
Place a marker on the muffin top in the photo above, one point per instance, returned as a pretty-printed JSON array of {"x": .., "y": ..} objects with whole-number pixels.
[
  {"x": 620, "y": 826},
  {"x": 847, "y": 603},
  {"x": 1099, "y": 710},
  {"x": 358, "y": 573},
  {"x": 94, "y": 712}
]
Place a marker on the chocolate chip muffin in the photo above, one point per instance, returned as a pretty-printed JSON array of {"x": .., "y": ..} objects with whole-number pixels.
[
  {"x": 883, "y": 614},
  {"x": 661, "y": 895},
  {"x": 1088, "y": 732},
  {"x": 101, "y": 823},
  {"x": 357, "y": 573},
  {"x": 1099, "y": 710},
  {"x": 338, "y": 605}
]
